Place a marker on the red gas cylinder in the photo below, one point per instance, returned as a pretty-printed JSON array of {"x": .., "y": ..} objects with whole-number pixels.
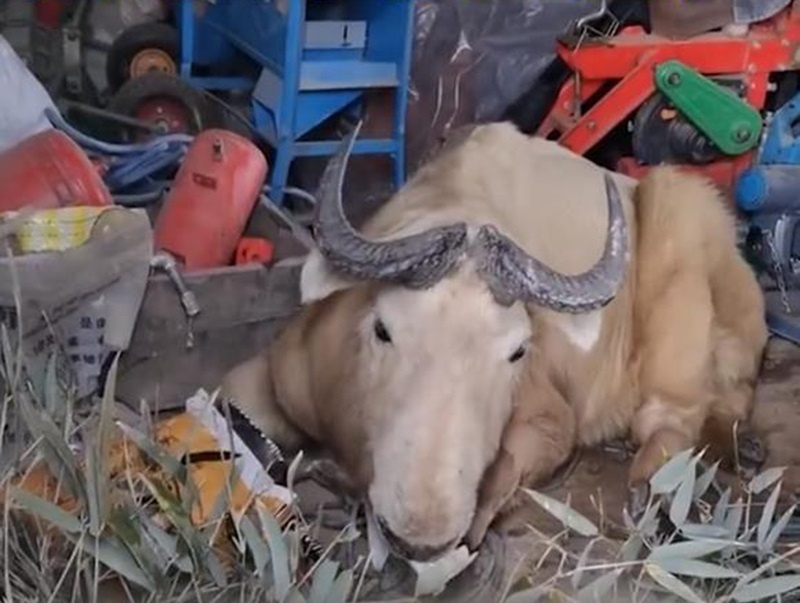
[
  {"x": 46, "y": 171},
  {"x": 214, "y": 192}
]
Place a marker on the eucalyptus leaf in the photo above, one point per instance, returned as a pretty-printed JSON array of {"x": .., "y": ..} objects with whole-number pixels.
[
  {"x": 215, "y": 568},
  {"x": 111, "y": 553},
  {"x": 55, "y": 450},
  {"x": 671, "y": 583},
  {"x": 596, "y": 591},
  {"x": 172, "y": 508},
  {"x": 341, "y": 588},
  {"x": 172, "y": 466},
  {"x": 630, "y": 525},
  {"x": 323, "y": 579},
  {"x": 670, "y": 474},
  {"x": 293, "y": 595},
  {"x": 703, "y": 531},
  {"x": 682, "y": 502},
  {"x": 778, "y": 528},
  {"x": 721, "y": 508},
  {"x": 733, "y": 520},
  {"x": 255, "y": 542},
  {"x": 576, "y": 577},
  {"x": 648, "y": 524},
  {"x": 46, "y": 510},
  {"x": 632, "y": 547},
  {"x": 690, "y": 549},
  {"x": 569, "y": 517},
  {"x": 93, "y": 491},
  {"x": 693, "y": 567},
  {"x": 765, "y": 479},
  {"x": 767, "y": 515},
  {"x": 433, "y": 576},
  {"x": 279, "y": 552},
  {"x": 763, "y": 589},
  {"x": 166, "y": 545},
  {"x": 704, "y": 481}
]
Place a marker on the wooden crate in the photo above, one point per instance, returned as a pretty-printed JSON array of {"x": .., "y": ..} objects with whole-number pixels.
[{"x": 241, "y": 310}]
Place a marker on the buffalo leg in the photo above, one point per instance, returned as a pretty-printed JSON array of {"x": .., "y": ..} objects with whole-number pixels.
[
  {"x": 676, "y": 374},
  {"x": 727, "y": 431},
  {"x": 740, "y": 339},
  {"x": 538, "y": 439}
]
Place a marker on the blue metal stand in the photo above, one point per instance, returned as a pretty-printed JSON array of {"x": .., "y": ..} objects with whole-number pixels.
[{"x": 304, "y": 61}]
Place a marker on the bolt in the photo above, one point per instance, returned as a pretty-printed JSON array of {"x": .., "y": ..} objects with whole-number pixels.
[
  {"x": 674, "y": 79},
  {"x": 216, "y": 149},
  {"x": 742, "y": 134}
]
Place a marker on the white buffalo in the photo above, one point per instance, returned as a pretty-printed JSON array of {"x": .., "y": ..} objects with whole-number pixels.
[{"x": 511, "y": 302}]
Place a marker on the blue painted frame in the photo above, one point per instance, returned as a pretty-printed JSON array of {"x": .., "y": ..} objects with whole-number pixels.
[{"x": 316, "y": 60}]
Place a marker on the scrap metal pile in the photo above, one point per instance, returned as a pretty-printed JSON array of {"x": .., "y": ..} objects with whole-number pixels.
[{"x": 87, "y": 223}]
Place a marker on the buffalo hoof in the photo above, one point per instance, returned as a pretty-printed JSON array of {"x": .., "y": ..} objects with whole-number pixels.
[{"x": 751, "y": 450}]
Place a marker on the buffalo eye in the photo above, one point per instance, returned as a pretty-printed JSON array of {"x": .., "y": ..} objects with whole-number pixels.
[
  {"x": 518, "y": 353},
  {"x": 381, "y": 332}
]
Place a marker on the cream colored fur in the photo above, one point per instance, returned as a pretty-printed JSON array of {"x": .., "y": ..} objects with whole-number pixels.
[{"x": 438, "y": 427}]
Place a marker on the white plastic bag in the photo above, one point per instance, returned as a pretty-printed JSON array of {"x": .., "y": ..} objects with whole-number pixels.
[{"x": 23, "y": 101}]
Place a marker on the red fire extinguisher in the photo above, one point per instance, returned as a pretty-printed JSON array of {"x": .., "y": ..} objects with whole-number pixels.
[{"x": 214, "y": 193}]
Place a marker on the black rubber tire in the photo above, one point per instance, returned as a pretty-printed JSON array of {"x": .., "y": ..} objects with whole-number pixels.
[
  {"x": 132, "y": 41},
  {"x": 202, "y": 113}
]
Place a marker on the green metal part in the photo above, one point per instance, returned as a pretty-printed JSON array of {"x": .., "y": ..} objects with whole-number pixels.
[{"x": 728, "y": 121}]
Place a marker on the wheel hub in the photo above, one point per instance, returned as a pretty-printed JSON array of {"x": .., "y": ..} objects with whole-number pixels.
[
  {"x": 150, "y": 60},
  {"x": 169, "y": 115}
]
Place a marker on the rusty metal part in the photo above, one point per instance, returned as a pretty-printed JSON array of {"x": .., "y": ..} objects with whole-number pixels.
[
  {"x": 152, "y": 59},
  {"x": 167, "y": 263}
]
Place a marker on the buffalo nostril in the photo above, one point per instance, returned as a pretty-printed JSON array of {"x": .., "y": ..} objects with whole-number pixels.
[{"x": 412, "y": 552}]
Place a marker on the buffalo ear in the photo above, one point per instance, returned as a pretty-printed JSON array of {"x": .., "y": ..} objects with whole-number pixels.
[{"x": 318, "y": 281}]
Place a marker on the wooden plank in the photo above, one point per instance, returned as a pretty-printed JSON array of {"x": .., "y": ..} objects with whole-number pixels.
[{"x": 241, "y": 309}]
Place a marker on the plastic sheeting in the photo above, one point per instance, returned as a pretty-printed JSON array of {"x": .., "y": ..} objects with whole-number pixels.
[
  {"x": 23, "y": 101},
  {"x": 472, "y": 59}
]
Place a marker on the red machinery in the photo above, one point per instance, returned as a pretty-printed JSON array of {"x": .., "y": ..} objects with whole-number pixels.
[
  {"x": 213, "y": 195},
  {"x": 615, "y": 76}
]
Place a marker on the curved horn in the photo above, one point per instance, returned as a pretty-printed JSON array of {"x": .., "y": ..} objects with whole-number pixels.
[
  {"x": 418, "y": 260},
  {"x": 514, "y": 275}
]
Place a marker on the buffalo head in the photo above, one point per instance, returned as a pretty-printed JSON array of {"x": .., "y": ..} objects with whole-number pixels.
[{"x": 442, "y": 340}]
